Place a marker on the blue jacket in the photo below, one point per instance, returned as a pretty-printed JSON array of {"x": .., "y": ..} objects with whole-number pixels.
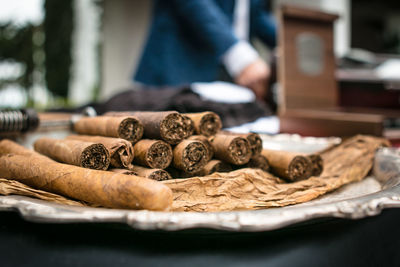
[{"x": 188, "y": 37}]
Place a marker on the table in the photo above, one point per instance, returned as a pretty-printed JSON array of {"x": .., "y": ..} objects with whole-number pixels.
[{"x": 373, "y": 241}]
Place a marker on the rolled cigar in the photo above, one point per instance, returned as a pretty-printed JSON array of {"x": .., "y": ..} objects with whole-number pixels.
[
  {"x": 103, "y": 188},
  {"x": 124, "y": 171},
  {"x": 254, "y": 139},
  {"x": 214, "y": 165},
  {"x": 206, "y": 123},
  {"x": 155, "y": 174},
  {"x": 154, "y": 154},
  {"x": 289, "y": 165},
  {"x": 125, "y": 127},
  {"x": 188, "y": 126},
  {"x": 255, "y": 143},
  {"x": 169, "y": 126},
  {"x": 75, "y": 152},
  {"x": 258, "y": 162},
  {"x": 121, "y": 150},
  {"x": 230, "y": 148},
  {"x": 317, "y": 164},
  {"x": 202, "y": 138},
  {"x": 190, "y": 156}
]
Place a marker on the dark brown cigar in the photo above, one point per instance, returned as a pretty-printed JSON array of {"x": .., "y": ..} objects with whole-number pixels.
[{"x": 169, "y": 126}]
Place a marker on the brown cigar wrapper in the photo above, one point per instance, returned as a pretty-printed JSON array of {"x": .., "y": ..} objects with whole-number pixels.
[
  {"x": 123, "y": 171},
  {"x": 126, "y": 127},
  {"x": 205, "y": 123},
  {"x": 155, "y": 174},
  {"x": 232, "y": 149},
  {"x": 154, "y": 154},
  {"x": 258, "y": 162},
  {"x": 254, "y": 139},
  {"x": 214, "y": 165},
  {"x": 121, "y": 150},
  {"x": 202, "y": 138},
  {"x": 75, "y": 152},
  {"x": 190, "y": 156},
  {"x": 169, "y": 126},
  {"x": 98, "y": 187},
  {"x": 288, "y": 165},
  {"x": 317, "y": 164},
  {"x": 188, "y": 126}
]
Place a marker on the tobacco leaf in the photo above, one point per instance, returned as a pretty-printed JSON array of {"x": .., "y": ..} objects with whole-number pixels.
[
  {"x": 248, "y": 189},
  {"x": 12, "y": 187}
]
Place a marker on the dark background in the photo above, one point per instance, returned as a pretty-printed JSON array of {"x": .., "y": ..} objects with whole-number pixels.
[{"x": 373, "y": 241}]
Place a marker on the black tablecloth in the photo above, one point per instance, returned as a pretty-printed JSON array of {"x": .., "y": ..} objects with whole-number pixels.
[{"x": 374, "y": 241}]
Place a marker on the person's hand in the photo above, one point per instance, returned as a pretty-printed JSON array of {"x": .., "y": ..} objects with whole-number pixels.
[{"x": 255, "y": 76}]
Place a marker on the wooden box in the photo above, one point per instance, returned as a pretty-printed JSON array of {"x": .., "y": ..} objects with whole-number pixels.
[{"x": 308, "y": 97}]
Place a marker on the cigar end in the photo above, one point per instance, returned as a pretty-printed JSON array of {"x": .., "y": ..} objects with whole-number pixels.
[
  {"x": 210, "y": 124},
  {"x": 159, "y": 155},
  {"x": 172, "y": 128},
  {"x": 300, "y": 168},
  {"x": 131, "y": 129},
  {"x": 95, "y": 157}
]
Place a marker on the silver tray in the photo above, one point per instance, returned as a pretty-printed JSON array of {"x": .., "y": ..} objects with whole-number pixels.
[{"x": 353, "y": 201}]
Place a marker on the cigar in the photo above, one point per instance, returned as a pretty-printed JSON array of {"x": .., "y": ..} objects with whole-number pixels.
[
  {"x": 289, "y": 165},
  {"x": 230, "y": 148},
  {"x": 188, "y": 126},
  {"x": 202, "y": 138},
  {"x": 126, "y": 127},
  {"x": 75, "y": 152},
  {"x": 214, "y": 165},
  {"x": 317, "y": 164},
  {"x": 103, "y": 188},
  {"x": 254, "y": 139},
  {"x": 258, "y": 162},
  {"x": 166, "y": 125},
  {"x": 154, "y": 154},
  {"x": 155, "y": 174},
  {"x": 189, "y": 156},
  {"x": 206, "y": 123},
  {"x": 255, "y": 143},
  {"x": 124, "y": 171},
  {"x": 121, "y": 150}
]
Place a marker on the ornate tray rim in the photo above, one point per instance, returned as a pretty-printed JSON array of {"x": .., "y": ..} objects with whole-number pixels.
[
  {"x": 372, "y": 204},
  {"x": 241, "y": 221}
]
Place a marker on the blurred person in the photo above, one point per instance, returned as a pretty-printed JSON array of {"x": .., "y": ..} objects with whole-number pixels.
[{"x": 193, "y": 40}]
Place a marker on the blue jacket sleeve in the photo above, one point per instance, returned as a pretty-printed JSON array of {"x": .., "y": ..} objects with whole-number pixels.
[
  {"x": 262, "y": 24},
  {"x": 208, "y": 21}
]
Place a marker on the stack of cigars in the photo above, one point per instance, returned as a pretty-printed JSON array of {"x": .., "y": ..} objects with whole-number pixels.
[
  {"x": 117, "y": 160},
  {"x": 166, "y": 145}
]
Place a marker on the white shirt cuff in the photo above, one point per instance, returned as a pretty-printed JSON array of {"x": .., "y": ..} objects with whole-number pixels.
[{"x": 238, "y": 57}]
